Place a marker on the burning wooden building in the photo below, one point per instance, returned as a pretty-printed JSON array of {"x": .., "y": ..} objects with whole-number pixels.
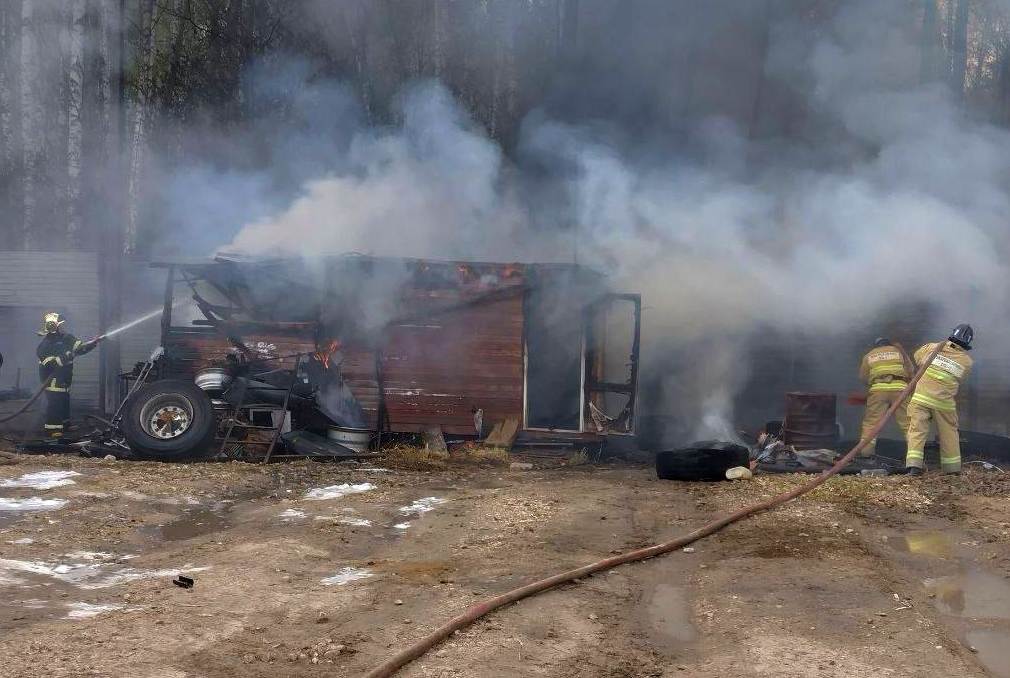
[{"x": 417, "y": 344}]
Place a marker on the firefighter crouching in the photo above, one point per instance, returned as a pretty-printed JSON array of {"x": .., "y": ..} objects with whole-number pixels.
[
  {"x": 885, "y": 370},
  {"x": 56, "y": 369},
  {"x": 934, "y": 400}
]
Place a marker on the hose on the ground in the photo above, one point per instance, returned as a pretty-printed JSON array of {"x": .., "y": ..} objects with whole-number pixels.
[
  {"x": 475, "y": 612},
  {"x": 24, "y": 408}
]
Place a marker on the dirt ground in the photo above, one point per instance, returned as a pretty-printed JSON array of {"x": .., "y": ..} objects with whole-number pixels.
[{"x": 866, "y": 577}]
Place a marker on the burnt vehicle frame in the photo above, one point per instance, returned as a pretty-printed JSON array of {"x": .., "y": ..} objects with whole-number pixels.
[{"x": 386, "y": 347}]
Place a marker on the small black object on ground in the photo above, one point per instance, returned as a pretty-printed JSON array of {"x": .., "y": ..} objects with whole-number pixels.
[{"x": 183, "y": 581}]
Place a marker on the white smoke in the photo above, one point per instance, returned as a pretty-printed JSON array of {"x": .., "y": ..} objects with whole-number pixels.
[
  {"x": 432, "y": 187},
  {"x": 900, "y": 196}
]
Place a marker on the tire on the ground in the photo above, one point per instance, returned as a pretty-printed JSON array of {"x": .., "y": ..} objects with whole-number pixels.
[
  {"x": 701, "y": 461},
  {"x": 192, "y": 443}
]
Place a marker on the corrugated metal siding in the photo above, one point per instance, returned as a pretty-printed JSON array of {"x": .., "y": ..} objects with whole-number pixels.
[{"x": 62, "y": 281}]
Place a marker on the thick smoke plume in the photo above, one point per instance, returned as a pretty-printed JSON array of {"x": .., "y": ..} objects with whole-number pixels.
[
  {"x": 891, "y": 197},
  {"x": 432, "y": 187}
]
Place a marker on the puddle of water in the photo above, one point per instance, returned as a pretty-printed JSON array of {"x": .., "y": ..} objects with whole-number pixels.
[
  {"x": 346, "y": 575},
  {"x": 422, "y": 506},
  {"x": 669, "y": 614},
  {"x": 402, "y": 526},
  {"x": 337, "y": 491},
  {"x": 973, "y": 594},
  {"x": 191, "y": 524},
  {"x": 31, "y": 504},
  {"x": 930, "y": 543},
  {"x": 291, "y": 513},
  {"x": 43, "y": 480},
  {"x": 993, "y": 649}
]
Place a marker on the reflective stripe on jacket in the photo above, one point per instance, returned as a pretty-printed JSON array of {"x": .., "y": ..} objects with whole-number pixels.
[
  {"x": 56, "y": 355},
  {"x": 939, "y": 385},
  {"x": 883, "y": 369}
]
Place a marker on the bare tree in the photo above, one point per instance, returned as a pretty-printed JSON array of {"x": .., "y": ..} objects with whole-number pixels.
[
  {"x": 75, "y": 130},
  {"x": 930, "y": 41},
  {"x": 31, "y": 121},
  {"x": 141, "y": 113},
  {"x": 10, "y": 120},
  {"x": 959, "y": 48}
]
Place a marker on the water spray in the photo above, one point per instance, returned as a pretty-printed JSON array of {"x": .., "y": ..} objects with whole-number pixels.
[
  {"x": 132, "y": 323},
  {"x": 136, "y": 321}
]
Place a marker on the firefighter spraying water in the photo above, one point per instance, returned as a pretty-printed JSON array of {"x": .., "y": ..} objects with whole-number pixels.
[{"x": 57, "y": 352}]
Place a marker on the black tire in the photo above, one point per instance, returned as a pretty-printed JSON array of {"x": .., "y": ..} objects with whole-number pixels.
[
  {"x": 701, "y": 461},
  {"x": 169, "y": 420}
]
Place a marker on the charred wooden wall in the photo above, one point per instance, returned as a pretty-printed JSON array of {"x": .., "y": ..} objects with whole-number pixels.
[{"x": 436, "y": 371}]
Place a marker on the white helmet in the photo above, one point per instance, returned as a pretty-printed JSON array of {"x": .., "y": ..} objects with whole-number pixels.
[{"x": 51, "y": 323}]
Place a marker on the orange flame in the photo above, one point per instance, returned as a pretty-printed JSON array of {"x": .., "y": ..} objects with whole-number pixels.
[{"x": 326, "y": 352}]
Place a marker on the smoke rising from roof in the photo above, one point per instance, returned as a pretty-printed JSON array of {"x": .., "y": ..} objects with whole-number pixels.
[{"x": 884, "y": 192}]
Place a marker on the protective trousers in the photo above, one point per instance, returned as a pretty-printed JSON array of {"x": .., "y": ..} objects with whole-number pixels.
[
  {"x": 919, "y": 416},
  {"x": 877, "y": 404},
  {"x": 57, "y": 412}
]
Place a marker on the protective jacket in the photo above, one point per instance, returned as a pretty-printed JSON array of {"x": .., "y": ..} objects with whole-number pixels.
[
  {"x": 939, "y": 385},
  {"x": 883, "y": 369},
  {"x": 56, "y": 360}
]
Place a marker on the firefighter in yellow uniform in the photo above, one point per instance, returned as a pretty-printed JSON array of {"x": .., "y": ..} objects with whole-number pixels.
[
  {"x": 933, "y": 400},
  {"x": 56, "y": 369},
  {"x": 885, "y": 370}
]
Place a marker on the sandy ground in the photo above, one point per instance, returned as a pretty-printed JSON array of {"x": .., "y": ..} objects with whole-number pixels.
[{"x": 867, "y": 577}]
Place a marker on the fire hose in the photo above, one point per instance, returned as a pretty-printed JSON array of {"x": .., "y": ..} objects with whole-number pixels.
[
  {"x": 35, "y": 396},
  {"x": 24, "y": 408},
  {"x": 475, "y": 612}
]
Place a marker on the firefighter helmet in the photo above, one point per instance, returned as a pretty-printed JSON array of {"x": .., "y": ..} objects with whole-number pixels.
[
  {"x": 881, "y": 341},
  {"x": 963, "y": 336},
  {"x": 51, "y": 323}
]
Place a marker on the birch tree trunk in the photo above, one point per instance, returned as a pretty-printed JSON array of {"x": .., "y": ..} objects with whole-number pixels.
[
  {"x": 31, "y": 117},
  {"x": 10, "y": 121},
  {"x": 75, "y": 129},
  {"x": 929, "y": 40},
  {"x": 959, "y": 49},
  {"x": 439, "y": 11},
  {"x": 138, "y": 138}
]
